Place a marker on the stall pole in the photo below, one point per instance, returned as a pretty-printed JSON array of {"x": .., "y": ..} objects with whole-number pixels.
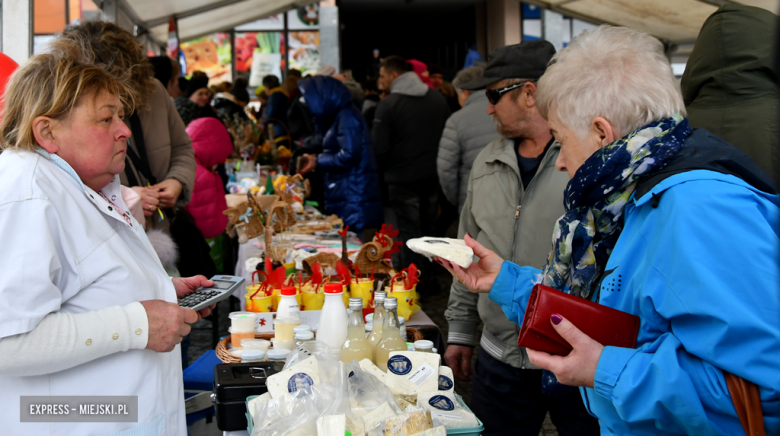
[
  {"x": 329, "y": 37},
  {"x": 17, "y": 29},
  {"x": 286, "y": 47}
]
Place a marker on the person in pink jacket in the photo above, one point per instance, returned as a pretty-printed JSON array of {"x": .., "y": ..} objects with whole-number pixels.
[{"x": 212, "y": 145}]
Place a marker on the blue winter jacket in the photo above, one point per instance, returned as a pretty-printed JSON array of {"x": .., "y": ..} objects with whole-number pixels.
[
  {"x": 701, "y": 271},
  {"x": 347, "y": 161}
]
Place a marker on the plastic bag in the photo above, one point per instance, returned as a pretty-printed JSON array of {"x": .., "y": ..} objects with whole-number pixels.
[
  {"x": 296, "y": 413},
  {"x": 447, "y": 409},
  {"x": 413, "y": 421},
  {"x": 369, "y": 398}
]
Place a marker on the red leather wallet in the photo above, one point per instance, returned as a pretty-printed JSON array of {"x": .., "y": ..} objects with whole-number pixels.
[{"x": 604, "y": 324}]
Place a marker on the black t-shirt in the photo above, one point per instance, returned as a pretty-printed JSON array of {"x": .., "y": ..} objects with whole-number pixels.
[{"x": 529, "y": 165}]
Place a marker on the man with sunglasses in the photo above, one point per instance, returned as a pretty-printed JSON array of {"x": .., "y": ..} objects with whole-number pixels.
[{"x": 514, "y": 198}]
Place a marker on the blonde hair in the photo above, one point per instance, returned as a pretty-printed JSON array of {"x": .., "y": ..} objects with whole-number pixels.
[
  {"x": 113, "y": 48},
  {"x": 52, "y": 86},
  {"x": 614, "y": 72}
]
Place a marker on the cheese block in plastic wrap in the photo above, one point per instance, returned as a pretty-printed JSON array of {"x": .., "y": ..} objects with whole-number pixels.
[
  {"x": 454, "y": 250},
  {"x": 408, "y": 424},
  {"x": 405, "y": 401},
  {"x": 254, "y": 402},
  {"x": 396, "y": 388},
  {"x": 445, "y": 409},
  {"x": 339, "y": 425},
  {"x": 436, "y": 431},
  {"x": 413, "y": 371},
  {"x": 297, "y": 377},
  {"x": 374, "y": 417},
  {"x": 446, "y": 380}
]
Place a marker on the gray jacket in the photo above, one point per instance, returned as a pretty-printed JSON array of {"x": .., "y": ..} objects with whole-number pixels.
[
  {"x": 517, "y": 223},
  {"x": 466, "y": 133}
]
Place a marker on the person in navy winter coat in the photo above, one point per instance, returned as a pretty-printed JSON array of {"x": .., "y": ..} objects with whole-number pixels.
[{"x": 347, "y": 160}]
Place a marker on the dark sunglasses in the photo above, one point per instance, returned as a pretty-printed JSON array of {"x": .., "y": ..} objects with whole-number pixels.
[{"x": 494, "y": 95}]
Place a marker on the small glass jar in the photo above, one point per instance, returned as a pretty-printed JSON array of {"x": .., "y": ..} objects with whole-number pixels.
[
  {"x": 251, "y": 356},
  {"x": 423, "y": 346},
  {"x": 402, "y": 326},
  {"x": 255, "y": 344},
  {"x": 277, "y": 355},
  {"x": 303, "y": 337}
]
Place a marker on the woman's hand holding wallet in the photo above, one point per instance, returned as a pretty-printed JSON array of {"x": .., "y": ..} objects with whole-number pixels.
[{"x": 566, "y": 334}]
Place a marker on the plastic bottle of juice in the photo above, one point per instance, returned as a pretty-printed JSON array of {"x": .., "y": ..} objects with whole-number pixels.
[
  {"x": 391, "y": 335},
  {"x": 288, "y": 315},
  {"x": 379, "y": 316},
  {"x": 357, "y": 345},
  {"x": 332, "y": 330}
]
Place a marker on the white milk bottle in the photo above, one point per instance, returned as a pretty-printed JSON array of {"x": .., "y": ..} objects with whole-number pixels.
[{"x": 332, "y": 330}]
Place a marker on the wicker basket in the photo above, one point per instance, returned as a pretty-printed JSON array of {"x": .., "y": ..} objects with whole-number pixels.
[{"x": 412, "y": 334}]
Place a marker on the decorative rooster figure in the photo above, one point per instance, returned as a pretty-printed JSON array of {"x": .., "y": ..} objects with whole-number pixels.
[
  {"x": 375, "y": 256},
  {"x": 344, "y": 256}
]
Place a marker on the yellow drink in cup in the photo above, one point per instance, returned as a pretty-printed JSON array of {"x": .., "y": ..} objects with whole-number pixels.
[
  {"x": 364, "y": 290},
  {"x": 311, "y": 300},
  {"x": 407, "y": 300},
  {"x": 259, "y": 303}
]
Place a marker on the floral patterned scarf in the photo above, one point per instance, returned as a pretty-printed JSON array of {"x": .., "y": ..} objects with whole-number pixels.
[{"x": 585, "y": 235}]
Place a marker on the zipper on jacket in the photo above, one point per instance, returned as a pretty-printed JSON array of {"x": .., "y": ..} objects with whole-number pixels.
[{"x": 517, "y": 211}]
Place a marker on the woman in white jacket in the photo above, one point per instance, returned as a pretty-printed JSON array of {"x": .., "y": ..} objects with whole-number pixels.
[{"x": 85, "y": 306}]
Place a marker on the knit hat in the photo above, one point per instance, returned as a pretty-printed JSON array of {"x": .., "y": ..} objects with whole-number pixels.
[{"x": 196, "y": 83}]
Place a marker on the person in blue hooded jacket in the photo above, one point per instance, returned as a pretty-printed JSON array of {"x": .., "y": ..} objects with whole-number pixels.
[
  {"x": 347, "y": 160},
  {"x": 670, "y": 224}
]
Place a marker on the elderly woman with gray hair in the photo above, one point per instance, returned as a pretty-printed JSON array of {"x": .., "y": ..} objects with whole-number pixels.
[
  {"x": 672, "y": 225},
  {"x": 466, "y": 133}
]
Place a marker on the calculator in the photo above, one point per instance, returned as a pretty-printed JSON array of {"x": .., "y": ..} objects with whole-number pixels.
[{"x": 202, "y": 298}]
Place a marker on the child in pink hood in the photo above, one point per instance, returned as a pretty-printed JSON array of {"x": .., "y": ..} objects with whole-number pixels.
[{"x": 212, "y": 145}]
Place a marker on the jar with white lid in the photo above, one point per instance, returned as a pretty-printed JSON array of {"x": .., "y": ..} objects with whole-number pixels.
[
  {"x": 402, "y": 326},
  {"x": 277, "y": 355},
  {"x": 301, "y": 328},
  {"x": 255, "y": 344},
  {"x": 303, "y": 337},
  {"x": 251, "y": 356},
  {"x": 423, "y": 346}
]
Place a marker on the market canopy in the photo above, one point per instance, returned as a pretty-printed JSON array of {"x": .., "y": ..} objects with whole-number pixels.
[
  {"x": 673, "y": 20},
  {"x": 201, "y": 17}
]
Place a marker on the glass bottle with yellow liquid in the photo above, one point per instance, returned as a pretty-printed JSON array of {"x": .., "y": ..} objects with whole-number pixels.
[
  {"x": 379, "y": 317},
  {"x": 391, "y": 335},
  {"x": 356, "y": 346}
]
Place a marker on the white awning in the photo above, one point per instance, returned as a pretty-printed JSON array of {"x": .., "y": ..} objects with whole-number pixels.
[
  {"x": 201, "y": 17},
  {"x": 672, "y": 20}
]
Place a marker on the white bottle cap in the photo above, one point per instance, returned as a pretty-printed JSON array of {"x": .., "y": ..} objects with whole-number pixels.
[
  {"x": 301, "y": 328},
  {"x": 278, "y": 354},
  {"x": 391, "y": 303},
  {"x": 253, "y": 355},
  {"x": 423, "y": 345},
  {"x": 304, "y": 336}
]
